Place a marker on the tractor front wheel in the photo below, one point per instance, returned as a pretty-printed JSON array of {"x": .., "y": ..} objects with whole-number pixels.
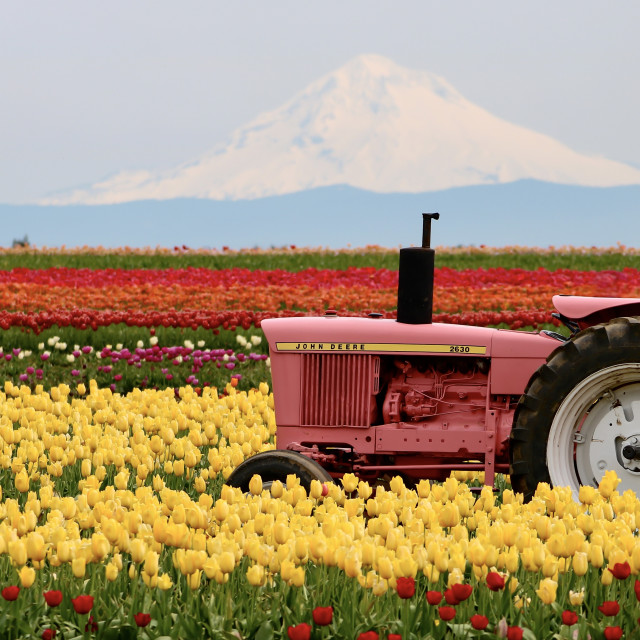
[
  {"x": 277, "y": 465},
  {"x": 580, "y": 414}
]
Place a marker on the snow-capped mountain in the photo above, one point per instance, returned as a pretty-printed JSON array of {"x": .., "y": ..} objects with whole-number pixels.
[{"x": 373, "y": 125}]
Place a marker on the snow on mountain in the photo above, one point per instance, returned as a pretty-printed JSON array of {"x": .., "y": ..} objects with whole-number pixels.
[{"x": 374, "y": 125}]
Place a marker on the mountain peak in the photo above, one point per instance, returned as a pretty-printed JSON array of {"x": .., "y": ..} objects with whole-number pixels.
[
  {"x": 374, "y": 125},
  {"x": 373, "y": 64}
]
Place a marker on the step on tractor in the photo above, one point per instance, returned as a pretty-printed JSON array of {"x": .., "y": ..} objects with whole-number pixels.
[{"x": 381, "y": 397}]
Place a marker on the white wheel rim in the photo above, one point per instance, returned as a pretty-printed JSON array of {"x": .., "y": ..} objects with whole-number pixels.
[{"x": 596, "y": 420}]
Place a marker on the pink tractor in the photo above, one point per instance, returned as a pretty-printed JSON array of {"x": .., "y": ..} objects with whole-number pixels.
[{"x": 409, "y": 397}]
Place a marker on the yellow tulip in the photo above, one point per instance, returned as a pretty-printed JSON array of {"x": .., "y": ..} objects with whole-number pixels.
[
  {"x": 576, "y": 598},
  {"x": 36, "y": 549},
  {"x": 277, "y": 489},
  {"x": 352, "y": 564},
  {"x": 85, "y": 468},
  {"x": 349, "y": 482},
  {"x": 151, "y": 563},
  {"x": 27, "y": 576},
  {"x": 580, "y": 563},
  {"x": 221, "y": 509},
  {"x": 138, "y": 550},
  {"x": 596, "y": 555},
  {"x": 607, "y": 578},
  {"x": 255, "y": 575},
  {"x": 297, "y": 579},
  {"x": 281, "y": 532},
  {"x": 364, "y": 490},
  {"x": 193, "y": 580},
  {"x": 190, "y": 459},
  {"x": 608, "y": 484},
  {"x": 178, "y": 468},
  {"x": 111, "y": 572},
  {"x": 227, "y": 562},
  {"x": 547, "y": 590},
  {"x": 18, "y": 552},
  {"x": 352, "y": 507},
  {"x": 200, "y": 484},
  {"x": 385, "y": 567},
  {"x": 587, "y": 494},
  {"x": 100, "y": 546},
  {"x": 164, "y": 582},
  {"x": 22, "y": 481},
  {"x": 549, "y": 566},
  {"x": 449, "y": 515},
  {"x": 78, "y": 567}
]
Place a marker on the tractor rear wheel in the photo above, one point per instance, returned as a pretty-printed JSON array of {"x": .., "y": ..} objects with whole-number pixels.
[
  {"x": 580, "y": 414},
  {"x": 277, "y": 465}
]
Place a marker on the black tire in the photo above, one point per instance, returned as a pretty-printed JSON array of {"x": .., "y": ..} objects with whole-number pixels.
[
  {"x": 568, "y": 400},
  {"x": 277, "y": 465}
]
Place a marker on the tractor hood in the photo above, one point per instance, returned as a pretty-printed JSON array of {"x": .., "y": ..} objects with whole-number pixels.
[{"x": 335, "y": 334}]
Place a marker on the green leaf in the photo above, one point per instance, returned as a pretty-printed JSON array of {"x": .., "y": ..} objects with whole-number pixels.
[
  {"x": 121, "y": 633},
  {"x": 265, "y": 632}
]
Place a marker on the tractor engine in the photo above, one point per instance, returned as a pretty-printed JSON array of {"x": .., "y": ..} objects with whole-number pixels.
[{"x": 440, "y": 390}]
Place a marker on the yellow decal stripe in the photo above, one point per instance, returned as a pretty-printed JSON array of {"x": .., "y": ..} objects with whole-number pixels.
[{"x": 368, "y": 347}]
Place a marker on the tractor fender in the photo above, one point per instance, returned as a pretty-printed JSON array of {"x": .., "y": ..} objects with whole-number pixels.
[{"x": 590, "y": 311}]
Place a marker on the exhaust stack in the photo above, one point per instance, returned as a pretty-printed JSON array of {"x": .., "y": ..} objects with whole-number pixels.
[{"x": 415, "y": 278}]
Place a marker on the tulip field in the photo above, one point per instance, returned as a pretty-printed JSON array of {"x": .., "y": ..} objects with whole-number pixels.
[{"x": 135, "y": 381}]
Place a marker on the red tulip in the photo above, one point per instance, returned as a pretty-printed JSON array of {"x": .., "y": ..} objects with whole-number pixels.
[
  {"x": 461, "y": 591},
  {"x": 514, "y": 633},
  {"x": 613, "y": 633},
  {"x": 368, "y": 635},
  {"x": 394, "y": 636},
  {"x": 322, "y": 616},
  {"x": 636, "y": 588},
  {"x": 11, "y": 593},
  {"x": 450, "y": 598},
  {"x": 569, "y": 617},
  {"x": 48, "y": 634},
  {"x": 609, "y": 608},
  {"x": 495, "y": 581},
  {"x": 406, "y": 587},
  {"x": 91, "y": 625},
  {"x": 621, "y": 570},
  {"x": 434, "y": 597},
  {"x": 82, "y": 604},
  {"x": 479, "y": 622},
  {"x": 53, "y": 598},
  {"x": 301, "y": 631},
  {"x": 142, "y": 619},
  {"x": 447, "y": 613}
]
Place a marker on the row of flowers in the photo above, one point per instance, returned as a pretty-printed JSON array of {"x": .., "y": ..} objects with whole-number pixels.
[
  {"x": 19, "y": 279},
  {"x": 145, "y": 363},
  {"x": 275, "y": 298},
  {"x": 106, "y": 494},
  {"x": 215, "y": 320}
]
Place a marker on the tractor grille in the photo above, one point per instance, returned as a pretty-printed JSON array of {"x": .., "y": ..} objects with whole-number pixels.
[{"x": 337, "y": 390}]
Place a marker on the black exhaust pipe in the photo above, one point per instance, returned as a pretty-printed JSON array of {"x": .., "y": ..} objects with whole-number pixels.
[{"x": 415, "y": 278}]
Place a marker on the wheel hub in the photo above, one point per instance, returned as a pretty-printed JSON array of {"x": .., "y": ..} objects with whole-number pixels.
[{"x": 630, "y": 452}]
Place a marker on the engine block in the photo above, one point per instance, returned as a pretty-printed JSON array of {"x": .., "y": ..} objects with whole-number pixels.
[{"x": 442, "y": 390}]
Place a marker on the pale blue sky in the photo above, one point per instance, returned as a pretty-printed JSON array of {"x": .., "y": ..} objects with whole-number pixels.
[{"x": 89, "y": 89}]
